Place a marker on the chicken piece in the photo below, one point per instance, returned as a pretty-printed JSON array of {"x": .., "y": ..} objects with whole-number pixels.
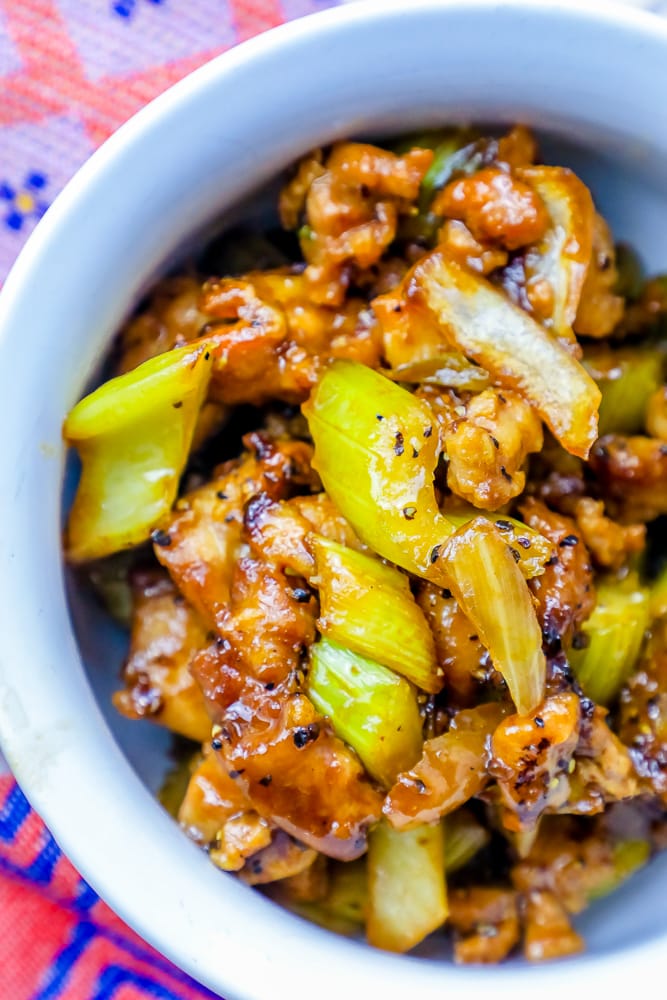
[
  {"x": 496, "y": 207},
  {"x": 166, "y": 634},
  {"x": 485, "y": 920},
  {"x": 656, "y": 414},
  {"x": 211, "y": 799},
  {"x": 548, "y": 933},
  {"x": 293, "y": 768},
  {"x": 199, "y": 544},
  {"x": 278, "y": 531},
  {"x": 647, "y": 314},
  {"x": 239, "y": 839},
  {"x": 487, "y": 448},
  {"x": 632, "y": 475},
  {"x": 461, "y": 656},
  {"x": 292, "y": 201},
  {"x": 271, "y": 339},
  {"x": 457, "y": 240},
  {"x": 352, "y": 211},
  {"x": 609, "y": 543},
  {"x": 406, "y": 339},
  {"x": 283, "y": 858},
  {"x": 311, "y": 883},
  {"x": 517, "y": 148},
  {"x": 452, "y": 769},
  {"x": 297, "y": 773},
  {"x": 278, "y": 340},
  {"x": 600, "y": 310},
  {"x": 531, "y": 759},
  {"x": 642, "y": 721},
  {"x": 603, "y": 770},
  {"x": 564, "y": 593}
]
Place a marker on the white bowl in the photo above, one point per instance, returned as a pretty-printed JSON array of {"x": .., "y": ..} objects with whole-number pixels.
[{"x": 593, "y": 75}]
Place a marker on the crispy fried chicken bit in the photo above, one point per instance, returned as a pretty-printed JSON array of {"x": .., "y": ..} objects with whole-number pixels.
[
  {"x": 283, "y": 858},
  {"x": 548, "y": 933},
  {"x": 200, "y": 544},
  {"x": 487, "y": 448},
  {"x": 632, "y": 475},
  {"x": 609, "y": 543},
  {"x": 599, "y": 310},
  {"x": 485, "y": 922},
  {"x": 642, "y": 723},
  {"x": 483, "y": 257},
  {"x": 531, "y": 759},
  {"x": 173, "y": 317},
  {"x": 352, "y": 210},
  {"x": 461, "y": 656},
  {"x": 166, "y": 634},
  {"x": 496, "y": 207},
  {"x": 564, "y": 593}
]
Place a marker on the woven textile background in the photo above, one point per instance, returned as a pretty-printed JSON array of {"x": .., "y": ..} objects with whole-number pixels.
[{"x": 71, "y": 72}]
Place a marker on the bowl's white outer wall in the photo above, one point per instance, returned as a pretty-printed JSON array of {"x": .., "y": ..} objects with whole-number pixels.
[{"x": 586, "y": 69}]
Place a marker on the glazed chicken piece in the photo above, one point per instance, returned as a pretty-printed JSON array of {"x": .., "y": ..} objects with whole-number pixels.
[
  {"x": 564, "y": 593},
  {"x": 486, "y": 925},
  {"x": 603, "y": 770},
  {"x": 548, "y": 933},
  {"x": 351, "y": 207},
  {"x": 600, "y": 310},
  {"x": 271, "y": 339},
  {"x": 285, "y": 756},
  {"x": 632, "y": 474},
  {"x": 610, "y": 544},
  {"x": 531, "y": 760},
  {"x": 488, "y": 446},
  {"x": 496, "y": 207},
  {"x": 461, "y": 656},
  {"x": 199, "y": 544},
  {"x": 483, "y": 257},
  {"x": 642, "y": 723},
  {"x": 166, "y": 634}
]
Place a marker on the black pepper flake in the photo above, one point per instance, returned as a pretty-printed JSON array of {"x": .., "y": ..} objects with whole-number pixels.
[
  {"x": 266, "y": 780},
  {"x": 495, "y": 442},
  {"x": 216, "y": 743},
  {"x": 446, "y": 594},
  {"x": 501, "y": 398},
  {"x": 569, "y": 541},
  {"x": 301, "y": 595},
  {"x": 221, "y": 495},
  {"x": 207, "y": 356},
  {"x": 378, "y": 416},
  {"x": 398, "y": 446},
  {"x": 415, "y": 453},
  {"x": 580, "y": 640},
  {"x": 473, "y": 638},
  {"x": 398, "y": 308},
  {"x": 552, "y": 561},
  {"x": 229, "y": 518},
  {"x": 161, "y": 538},
  {"x": 523, "y": 542},
  {"x": 269, "y": 686},
  {"x": 539, "y": 721},
  {"x": 428, "y": 431},
  {"x": 305, "y": 734},
  {"x": 504, "y": 525},
  {"x": 409, "y": 513},
  {"x": 178, "y": 405},
  {"x": 505, "y": 474},
  {"x": 516, "y": 555},
  {"x": 435, "y": 552},
  {"x": 236, "y": 774}
]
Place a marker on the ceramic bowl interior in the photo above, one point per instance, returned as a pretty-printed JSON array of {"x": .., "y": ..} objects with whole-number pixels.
[{"x": 590, "y": 82}]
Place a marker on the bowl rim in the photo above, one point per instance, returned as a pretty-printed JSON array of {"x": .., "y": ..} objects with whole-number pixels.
[{"x": 357, "y": 966}]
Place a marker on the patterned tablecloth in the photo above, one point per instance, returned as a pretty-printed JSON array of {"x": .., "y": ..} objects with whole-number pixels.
[{"x": 71, "y": 71}]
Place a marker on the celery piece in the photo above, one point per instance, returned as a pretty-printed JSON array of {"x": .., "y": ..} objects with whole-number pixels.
[
  {"x": 133, "y": 436},
  {"x": 343, "y": 909},
  {"x": 370, "y": 707},
  {"x": 464, "y": 838},
  {"x": 368, "y": 607},
  {"x": 627, "y": 377},
  {"x": 450, "y": 369},
  {"x": 491, "y": 590},
  {"x": 407, "y": 896},
  {"x": 456, "y": 154},
  {"x": 530, "y": 549},
  {"x": 376, "y": 449},
  {"x": 615, "y": 632}
]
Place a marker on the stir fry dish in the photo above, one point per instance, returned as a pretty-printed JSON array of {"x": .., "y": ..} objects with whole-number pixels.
[{"x": 379, "y": 495}]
